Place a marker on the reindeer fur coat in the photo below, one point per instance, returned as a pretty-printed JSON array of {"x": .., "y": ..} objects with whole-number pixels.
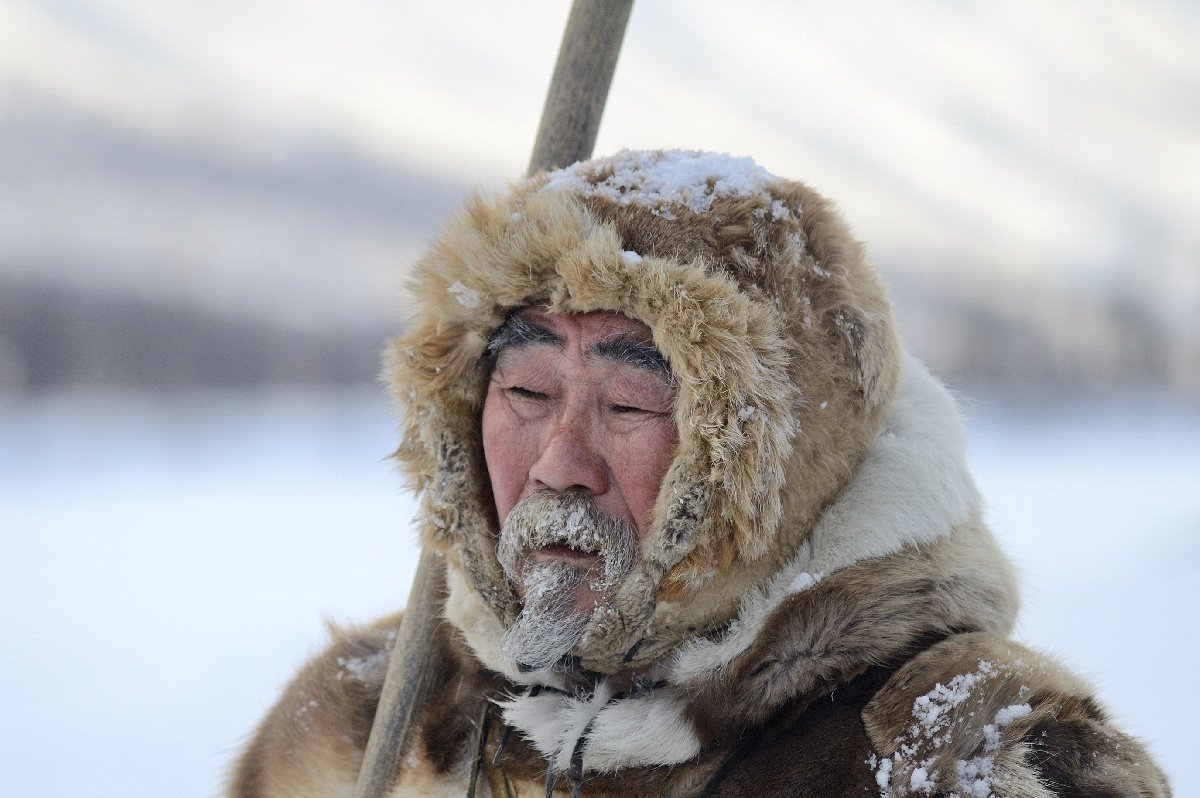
[{"x": 818, "y": 609}]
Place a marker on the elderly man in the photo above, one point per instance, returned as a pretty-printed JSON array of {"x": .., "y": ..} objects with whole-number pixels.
[{"x": 707, "y": 530}]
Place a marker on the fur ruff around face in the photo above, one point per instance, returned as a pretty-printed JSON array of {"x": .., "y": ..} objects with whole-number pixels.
[
  {"x": 777, "y": 331},
  {"x": 867, "y": 587}
]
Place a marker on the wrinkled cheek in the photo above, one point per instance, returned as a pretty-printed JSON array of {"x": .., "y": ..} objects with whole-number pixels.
[
  {"x": 505, "y": 453},
  {"x": 648, "y": 459},
  {"x": 494, "y": 455}
]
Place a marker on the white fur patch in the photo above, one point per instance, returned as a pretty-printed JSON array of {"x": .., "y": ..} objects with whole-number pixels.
[
  {"x": 553, "y": 722},
  {"x": 913, "y": 485},
  {"x": 645, "y": 730}
]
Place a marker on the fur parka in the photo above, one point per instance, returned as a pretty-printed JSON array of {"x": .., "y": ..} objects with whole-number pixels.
[{"x": 818, "y": 609}]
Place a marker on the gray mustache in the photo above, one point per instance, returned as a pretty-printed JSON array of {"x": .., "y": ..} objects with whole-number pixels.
[{"x": 547, "y": 518}]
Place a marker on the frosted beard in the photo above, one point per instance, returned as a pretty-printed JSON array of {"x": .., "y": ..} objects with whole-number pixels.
[{"x": 552, "y": 619}]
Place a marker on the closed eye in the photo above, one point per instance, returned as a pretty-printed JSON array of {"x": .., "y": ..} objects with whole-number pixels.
[
  {"x": 631, "y": 409},
  {"x": 525, "y": 393}
]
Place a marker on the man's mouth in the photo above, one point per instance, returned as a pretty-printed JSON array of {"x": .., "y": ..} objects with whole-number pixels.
[{"x": 560, "y": 551}]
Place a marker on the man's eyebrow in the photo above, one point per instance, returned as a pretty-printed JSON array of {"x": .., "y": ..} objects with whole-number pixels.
[
  {"x": 518, "y": 332},
  {"x": 629, "y": 349}
]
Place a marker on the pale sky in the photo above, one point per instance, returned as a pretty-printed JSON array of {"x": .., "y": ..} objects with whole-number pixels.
[{"x": 1040, "y": 139}]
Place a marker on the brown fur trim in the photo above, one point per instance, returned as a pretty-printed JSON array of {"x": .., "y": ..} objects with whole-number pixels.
[{"x": 876, "y": 612}]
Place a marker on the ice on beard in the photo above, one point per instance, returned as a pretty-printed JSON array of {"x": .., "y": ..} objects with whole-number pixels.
[
  {"x": 546, "y": 519},
  {"x": 549, "y": 624}
]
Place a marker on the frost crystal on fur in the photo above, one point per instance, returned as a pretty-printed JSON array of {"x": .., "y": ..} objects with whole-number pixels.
[
  {"x": 938, "y": 717},
  {"x": 467, "y": 297},
  {"x": 364, "y": 669},
  {"x": 932, "y": 709},
  {"x": 682, "y": 178}
]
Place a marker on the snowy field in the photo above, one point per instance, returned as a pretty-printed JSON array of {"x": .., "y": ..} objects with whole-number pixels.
[{"x": 165, "y": 564}]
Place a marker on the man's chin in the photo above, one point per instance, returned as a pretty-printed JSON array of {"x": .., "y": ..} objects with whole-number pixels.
[{"x": 577, "y": 603}]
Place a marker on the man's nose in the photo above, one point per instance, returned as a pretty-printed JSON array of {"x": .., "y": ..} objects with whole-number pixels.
[{"x": 568, "y": 460}]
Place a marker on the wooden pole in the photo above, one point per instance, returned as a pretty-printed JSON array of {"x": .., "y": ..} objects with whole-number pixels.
[
  {"x": 567, "y": 133},
  {"x": 412, "y": 674},
  {"x": 579, "y": 88}
]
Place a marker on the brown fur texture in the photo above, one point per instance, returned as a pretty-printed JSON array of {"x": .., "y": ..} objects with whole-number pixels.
[
  {"x": 293, "y": 754},
  {"x": 819, "y": 610},
  {"x": 1056, "y": 742},
  {"x": 877, "y": 612},
  {"x": 826, "y": 741}
]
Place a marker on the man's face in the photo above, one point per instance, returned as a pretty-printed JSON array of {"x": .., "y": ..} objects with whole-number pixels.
[{"x": 578, "y": 426}]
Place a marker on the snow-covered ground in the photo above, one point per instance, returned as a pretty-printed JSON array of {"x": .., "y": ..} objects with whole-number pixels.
[{"x": 166, "y": 563}]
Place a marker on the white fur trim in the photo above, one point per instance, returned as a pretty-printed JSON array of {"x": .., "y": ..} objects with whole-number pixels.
[
  {"x": 645, "y": 730},
  {"x": 553, "y": 722},
  {"x": 913, "y": 486}
]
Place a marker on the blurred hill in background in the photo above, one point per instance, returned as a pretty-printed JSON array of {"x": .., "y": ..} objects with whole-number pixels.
[{"x": 229, "y": 194}]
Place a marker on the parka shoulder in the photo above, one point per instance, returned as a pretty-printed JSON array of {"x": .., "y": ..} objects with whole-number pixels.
[
  {"x": 977, "y": 715},
  {"x": 311, "y": 742}
]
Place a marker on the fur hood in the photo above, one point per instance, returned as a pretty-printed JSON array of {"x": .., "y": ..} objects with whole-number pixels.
[
  {"x": 807, "y": 444},
  {"x": 777, "y": 331}
]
